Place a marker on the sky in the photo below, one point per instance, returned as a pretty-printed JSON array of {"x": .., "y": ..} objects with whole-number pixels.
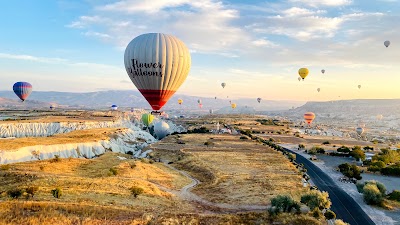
[{"x": 256, "y": 47}]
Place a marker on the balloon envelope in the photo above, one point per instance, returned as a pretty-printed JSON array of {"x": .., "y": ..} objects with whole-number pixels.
[
  {"x": 161, "y": 129},
  {"x": 223, "y": 85},
  {"x": 180, "y": 101},
  {"x": 303, "y": 72},
  {"x": 359, "y": 130},
  {"x": 211, "y": 111},
  {"x": 233, "y": 105},
  {"x": 22, "y": 90},
  {"x": 322, "y": 71},
  {"x": 258, "y": 100},
  {"x": 386, "y": 43},
  {"x": 157, "y": 64},
  {"x": 200, "y": 105},
  {"x": 309, "y": 117},
  {"x": 147, "y": 119},
  {"x": 114, "y": 107},
  {"x": 359, "y": 86},
  {"x": 299, "y": 78},
  {"x": 318, "y": 89}
]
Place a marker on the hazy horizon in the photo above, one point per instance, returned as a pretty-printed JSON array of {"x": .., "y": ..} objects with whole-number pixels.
[{"x": 256, "y": 47}]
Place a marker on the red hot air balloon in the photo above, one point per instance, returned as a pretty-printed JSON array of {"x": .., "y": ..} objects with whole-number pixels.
[
  {"x": 157, "y": 64},
  {"x": 309, "y": 117}
]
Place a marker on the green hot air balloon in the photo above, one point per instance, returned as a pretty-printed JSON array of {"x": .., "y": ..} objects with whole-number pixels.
[{"x": 147, "y": 119}]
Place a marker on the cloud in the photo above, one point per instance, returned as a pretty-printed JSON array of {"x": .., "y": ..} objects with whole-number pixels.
[
  {"x": 134, "y": 6},
  {"x": 31, "y": 58},
  {"x": 316, "y": 3}
]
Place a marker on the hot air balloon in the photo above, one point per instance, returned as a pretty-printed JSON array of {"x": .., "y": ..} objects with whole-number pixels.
[
  {"x": 318, "y": 89},
  {"x": 52, "y": 107},
  {"x": 359, "y": 86},
  {"x": 223, "y": 85},
  {"x": 299, "y": 78},
  {"x": 180, "y": 101},
  {"x": 22, "y": 90},
  {"x": 114, "y": 107},
  {"x": 211, "y": 111},
  {"x": 258, "y": 100},
  {"x": 309, "y": 117},
  {"x": 230, "y": 101},
  {"x": 215, "y": 97},
  {"x": 233, "y": 105},
  {"x": 161, "y": 129},
  {"x": 303, "y": 72},
  {"x": 200, "y": 105},
  {"x": 379, "y": 117},
  {"x": 147, "y": 119},
  {"x": 359, "y": 130},
  {"x": 386, "y": 43},
  {"x": 157, "y": 64},
  {"x": 199, "y": 101},
  {"x": 132, "y": 109},
  {"x": 322, "y": 71}
]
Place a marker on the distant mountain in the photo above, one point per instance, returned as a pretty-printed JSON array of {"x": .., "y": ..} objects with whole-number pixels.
[
  {"x": 6, "y": 103},
  {"x": 129, "y": 98},
  {"x": 347, "y": 110}
]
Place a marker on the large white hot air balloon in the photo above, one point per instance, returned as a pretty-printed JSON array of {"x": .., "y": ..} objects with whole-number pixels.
[
  {"x": 157, "y": 64},
  {"x": 161, "y": 129}
]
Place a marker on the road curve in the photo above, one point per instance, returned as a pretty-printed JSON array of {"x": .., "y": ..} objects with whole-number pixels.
[{"x": 342, "y": 204}]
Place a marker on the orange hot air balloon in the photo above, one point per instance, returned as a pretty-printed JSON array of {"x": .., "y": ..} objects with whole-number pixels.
[{"x": 309, "y": 117}]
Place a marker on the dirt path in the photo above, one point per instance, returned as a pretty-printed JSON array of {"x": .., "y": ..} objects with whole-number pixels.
[{"x": 185, "y": 194}]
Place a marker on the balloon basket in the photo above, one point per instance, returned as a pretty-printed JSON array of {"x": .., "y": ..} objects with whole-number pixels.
[{"x": 158, "y": 113}]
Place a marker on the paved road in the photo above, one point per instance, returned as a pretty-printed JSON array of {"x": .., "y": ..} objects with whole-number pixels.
[{"x": 342, "y": 204}]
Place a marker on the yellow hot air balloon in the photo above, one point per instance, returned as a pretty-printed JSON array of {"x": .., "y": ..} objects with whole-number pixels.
[
  {"x": 157, "y": 64},
  {"x": 233, "y": 105},
  {"x": 303, "y": 72},
  {"x": 309, "y": 117},
  {"x": 180, "y": 101},
  {"x": 147, "y": 119}
]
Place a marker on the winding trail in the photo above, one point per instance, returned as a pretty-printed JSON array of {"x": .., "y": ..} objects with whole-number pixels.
[{"x": 185, "y": 194}]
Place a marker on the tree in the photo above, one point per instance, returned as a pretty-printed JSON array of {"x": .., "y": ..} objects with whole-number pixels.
[
  {"x": 344, "y": 149},
  {"x": 284, "y": 203},
  {"x": 356, "y": 148},
  {"x": 368, "y": 148},
  {"x": 376, "y": 166},
  {"x": 57, "y": 193},
  {"x": 358, "y": 154},
  {"x": 135, "y": 191},
  {"x": 372, "y": 195},
  {"x": 316, "y": 200},
  {"x": 330, "y": 215},
  {"x": 381, "y": 187},
  {"x": 350, "y": 171}
]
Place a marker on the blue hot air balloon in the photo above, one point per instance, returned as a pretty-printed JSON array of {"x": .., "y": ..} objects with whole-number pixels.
[
  {"x": 22, "y": 90},
  {"x": 114, "y": 107}
]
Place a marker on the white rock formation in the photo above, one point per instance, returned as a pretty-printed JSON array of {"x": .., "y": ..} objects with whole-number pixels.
[{"x": 128, "y": 141}]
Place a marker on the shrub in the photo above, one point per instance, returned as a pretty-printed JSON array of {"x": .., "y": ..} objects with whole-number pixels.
[
  {"x": 395, "y": 195},
  {"x": 393, "y": 170},
  {"x": 284, "y": 203},
  {"x": 208, "y": 143},
  {"x": 381, "y": 187},
  {"x": 316, "y": 200},
  {"x": 368, "y": 148},
  {"x": 343, "y": 149},
  {"x": 15, "y": 193},
  {"x": 56, "y": 158},
  {"x": 31, "y": 191},
  {"x": 350, "y": 171},
  {"x": 41, "y": 167},
  {"x": 326, "y": 143},
  {"x": 314, "y": 150},
  {"x": 301, "y": 146},
  {"x": 376, "y": 166},
  {"x": 57, "y": 193},
  {"x": 291, "y": 157},
  {"x": 5, "y": 167},
  {"x": 133, "y": 165},
  {"x": 330, "y": 215},
  {"x": 135, "y": 191},
  {"x": 113, "y": 171},
  {"x": 316, "y": 213},
  {"x": 358, "y": 154},
  {"x": 372, "y": 195},
  {"x": 244, "y": 138},
  {"x": 340, "y": 222}
]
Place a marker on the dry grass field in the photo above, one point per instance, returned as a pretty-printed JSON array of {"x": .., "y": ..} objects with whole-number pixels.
[
  {"x": 78, "y": 136},
  {"x": 233, "y": 171}
]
